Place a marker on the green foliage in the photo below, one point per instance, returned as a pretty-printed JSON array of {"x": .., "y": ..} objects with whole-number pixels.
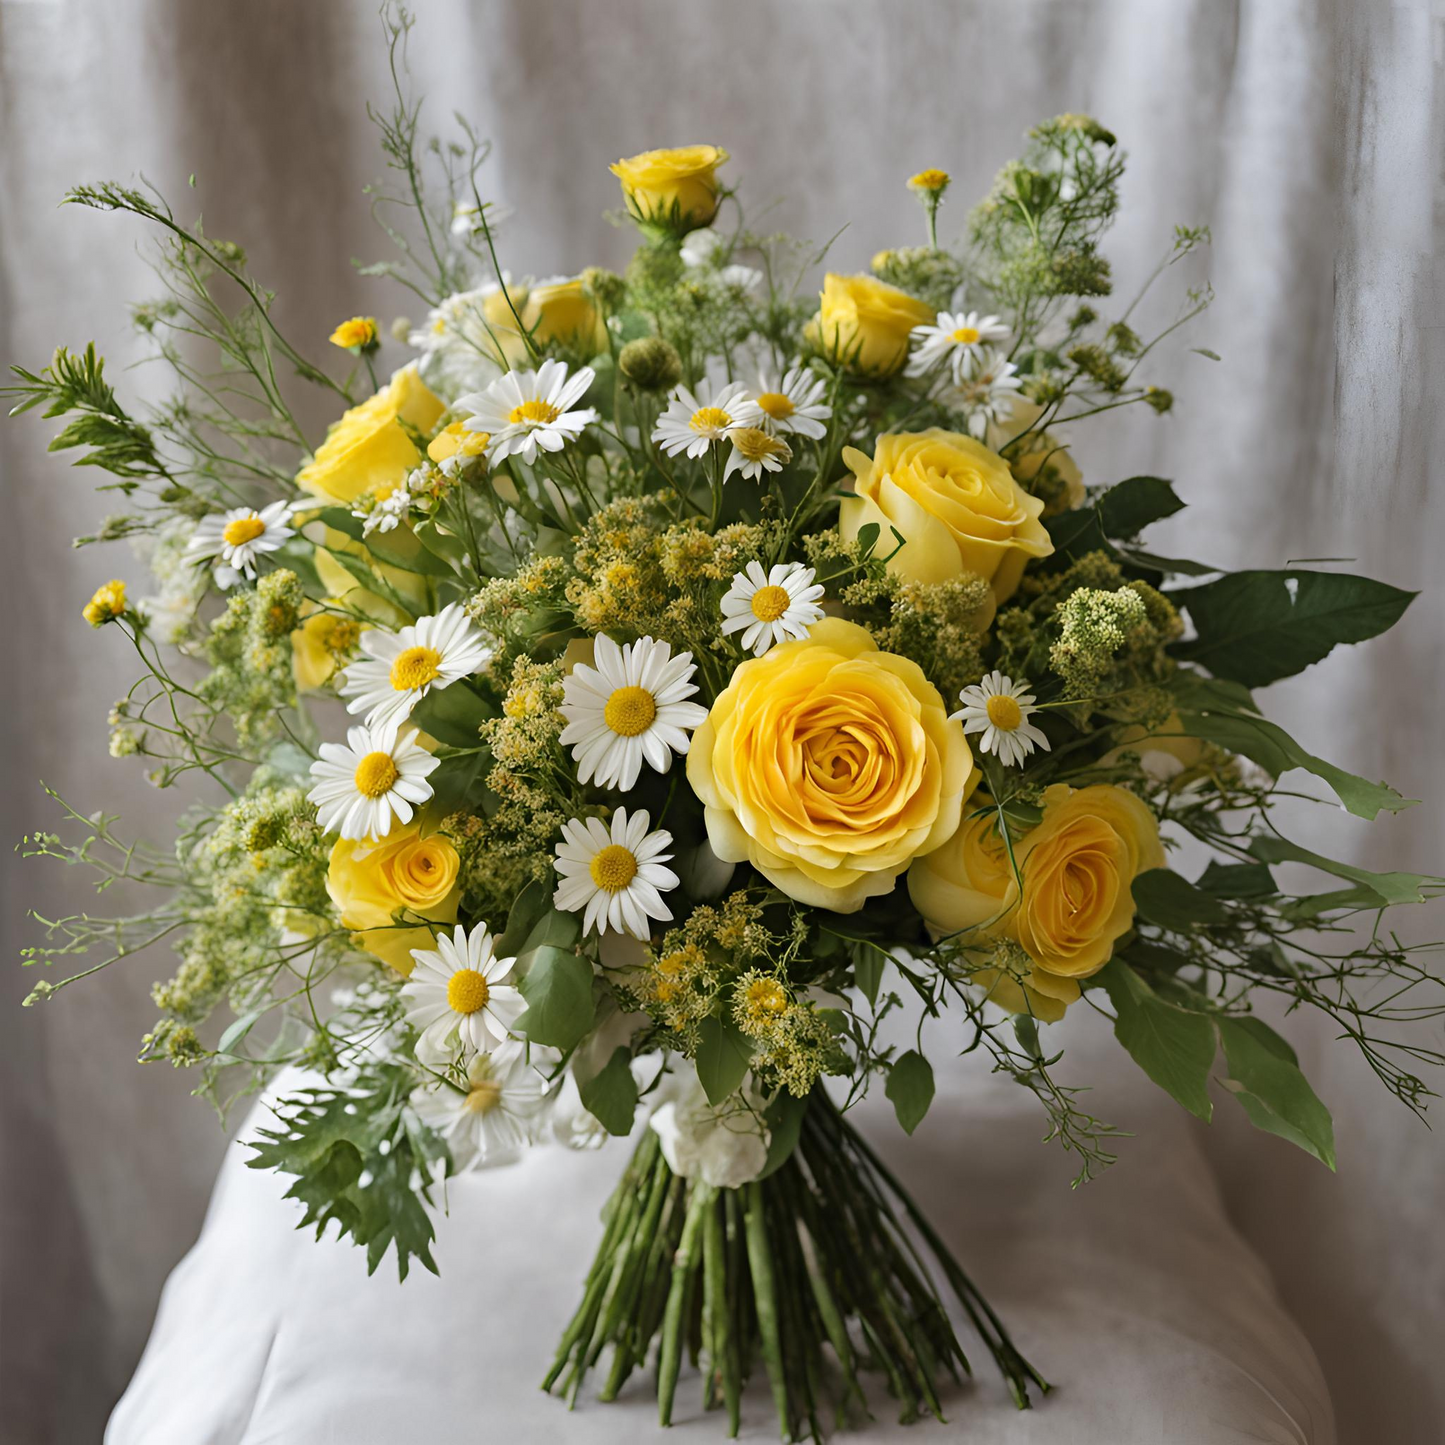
[
  {"x": 557, "y": 985},
  {"x": 723, "y": 1055},
  {"x": 910, "y": 1088},
  {"x": 1174, "y": 1046},
  {"x": 1264, "y": 1076},
  {"x": 610, "y": 1095}
]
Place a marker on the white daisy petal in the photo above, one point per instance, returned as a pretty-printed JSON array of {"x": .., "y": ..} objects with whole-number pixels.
[{"x": 621, "y": 887}]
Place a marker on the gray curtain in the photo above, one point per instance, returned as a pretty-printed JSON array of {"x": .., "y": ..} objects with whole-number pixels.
[{"x": 1307, "y": 134}]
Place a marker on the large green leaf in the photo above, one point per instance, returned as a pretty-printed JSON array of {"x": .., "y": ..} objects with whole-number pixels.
[
  {"x": 452, "y": 715},
  {"x": 1121, "y": 512},
  {"x": 610, "y": 1095},
  {"x": 1257, "y": 627},
  {"x": 724, "y": 1053},
  {"x": 455, "y": 783},
  {"x": 1212, "y": 710},
  {"x": 1265, "y": 1077},
  {"x": 785, "y": 1123},
  {"x": 1386, "y": 888},
  {"x": 1165, "y": 898},
  {"x": 1172, "y": 1045},
  {"x": 910, "y": 1087},
  {"x": 558, "y": 988}
]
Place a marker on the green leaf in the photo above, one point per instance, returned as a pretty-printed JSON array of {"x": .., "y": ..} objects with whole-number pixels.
[
  {"x": 910, "y": 1087},
  {"x": 1163, "y": 897},
  {"x": 528, "y": 906},
  {"x": 1173, "y": 1046},
  {"x": 723, "y": 1056},
  {"x": 611, "y": 1095},
  {"x": 558, "y": 988},
  {"x": 1387, "y": 888},
  {"x": 452, "y": 715},
  {"x": 1131, "y": 505},
  {"x": 867, "y": 537},
  {"x": 1265, "y": 1077},
  {"x": 1208, "y": 709},
  {"x": 1238, "y": 880},
  {"x": 868, "y": 970},
  {"x": 397, "y": 548},
  {"x": 1257, "y": 627},
  {"x": 456, "y": 783},
  {"x": 785, "y": 1122},
  {"x": 237, "y": 1030}
]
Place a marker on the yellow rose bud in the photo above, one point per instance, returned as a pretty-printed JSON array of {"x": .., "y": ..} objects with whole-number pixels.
[
  {"x": 963, "y": 884},
  {"x": 358, "y": 334},
  {"x": 457, "y": 441},
  {"x": 1038, "y": 449},
  {"x": 562, "y": 313},
  {"x": 829, "y": 766},
  {"x": 675, "y": 189},
  {"x": 370, "y": 883},
  {"x": 106, "y": 605},
  {"x": 367, "y": 450},
  {"x": 955, "y": 503},
  {"x": 864, "y": 324},
  {"x": 319, "y": 646},
  {"x": 1078, "y": 867}
]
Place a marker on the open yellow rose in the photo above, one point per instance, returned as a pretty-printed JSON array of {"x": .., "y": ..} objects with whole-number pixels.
[
  {"x": 864, "y": 324},
  {"x": 954, "y": 502},
  {"x": 676, "y": 188},
  {"x": 829, "y": 766},
  {"x": 367, "y": 451},
  {"x": 1079, "y": 865},
  {"x": 368, "y": 884}
]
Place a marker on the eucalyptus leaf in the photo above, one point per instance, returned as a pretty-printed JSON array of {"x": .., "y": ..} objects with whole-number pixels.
[{"x": 558, "y": 988}]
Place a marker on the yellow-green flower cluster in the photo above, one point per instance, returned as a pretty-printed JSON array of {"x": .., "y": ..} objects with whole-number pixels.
[
  {"x": 793, "y": 1044},
  {"x": 1111, "y": 641},
  {"x": 250, "y": 652}
]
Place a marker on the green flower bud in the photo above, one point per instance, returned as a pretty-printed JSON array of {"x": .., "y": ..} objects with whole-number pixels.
[{"x": 651, "y": 363}]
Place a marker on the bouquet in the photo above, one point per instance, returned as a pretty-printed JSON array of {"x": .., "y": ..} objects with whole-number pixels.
[{"x": 652, "y": 680}]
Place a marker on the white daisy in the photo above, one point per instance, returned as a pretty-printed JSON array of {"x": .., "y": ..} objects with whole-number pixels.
[
  {"x": 694, "y": 420},
  {"x": 527, "y": 410},
  {"x": 237, "y": 537},
  {"x": 494, "y": 1117},
  {"x": 1000, "y": 709},
  {"x": 958, "y": 337},
  {"x": 755, "y": 451},
  {"x": 616, "y": 876},
  {"x": 456, "y": 997},
  {"x": 775, "y": 606},
  {"x": 400, "y": 668},
  {"x": 628, "y": 707},
  {"x": 987, "y": 396},
  {"x": 375, "y": 776},
  {"x": 795, "y": 406}
]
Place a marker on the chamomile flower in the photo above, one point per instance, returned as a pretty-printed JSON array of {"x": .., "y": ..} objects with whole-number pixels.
[
  {"x": 493, "y": 1117},
  {"x": 631, "y": 706},
  {"x": 456, "y": 996},
  {"x": 779, "y": 605},
  {"x": 527, "y": 411},
  {"x": 695, "y": 420},
  {"x": 1000, "y": 709},
  {"x": 400, "y": 668},
  {"x": 957, "y": 337},
  {"x": 794, "y": 406},
  {"x": 236, "y": 538},
  {"x": 987, "y": 396},
  {"x": 614, "y": 877},
  {"x": 755, "y": 451},
  {"x": 373, "y": 777}
]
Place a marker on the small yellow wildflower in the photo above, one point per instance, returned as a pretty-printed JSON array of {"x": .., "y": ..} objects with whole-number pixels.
[
  {"x": 357, "y": 335},
  {"x": 107, "y": 604},
  {"x": 932, "y": 181}
]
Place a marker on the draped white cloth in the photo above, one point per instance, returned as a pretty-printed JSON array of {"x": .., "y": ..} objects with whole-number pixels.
[{"x": 1307, "y": 134}]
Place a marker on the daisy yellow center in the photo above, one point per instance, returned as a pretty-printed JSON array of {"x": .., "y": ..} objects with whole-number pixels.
[
  {"x": 243, "y": 530},
  {"x": 966, "y": 335},
  {"x": 482, "y": 1098},
  {"x": 1003, "y": 712},
  {"x": 769, "y": 603},
  {"x": 533, "y": 413},
  {"x": 629, "y": 711},
  {"x": 777, "y": 406},
  {"x": 375, "y": 774},
  {"x": 755, "y": 444},
  {"x": 710, "y": 418},
  {"x": 613, "y": 868},
  {"x": 467, "y": 991},
  {"x": 415, "y": 667},
  {"x": 766, "y": 997}
]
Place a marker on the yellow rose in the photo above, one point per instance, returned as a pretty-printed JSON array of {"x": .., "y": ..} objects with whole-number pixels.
[
  {"x": 403, "y": 871},
  {"x": 457, "y": 441},
  {"x": 563, "y": 312},
  {"x": 676, "y": 188},
  {"x": 1038, "y": 449},
  {"x": 1165, "y": 750},
  {"x": 864, "y": 324},
  {"x": 318, "y": 646},
  {"x": 367, "y": 451},
  {"x": 829, "y": 765},
  {"x": 955, "y": 503},
  {"x": 1078, "y": 866}
]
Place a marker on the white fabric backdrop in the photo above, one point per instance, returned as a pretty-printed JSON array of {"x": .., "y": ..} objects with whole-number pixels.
[{"x": 1307, "y": 134}]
